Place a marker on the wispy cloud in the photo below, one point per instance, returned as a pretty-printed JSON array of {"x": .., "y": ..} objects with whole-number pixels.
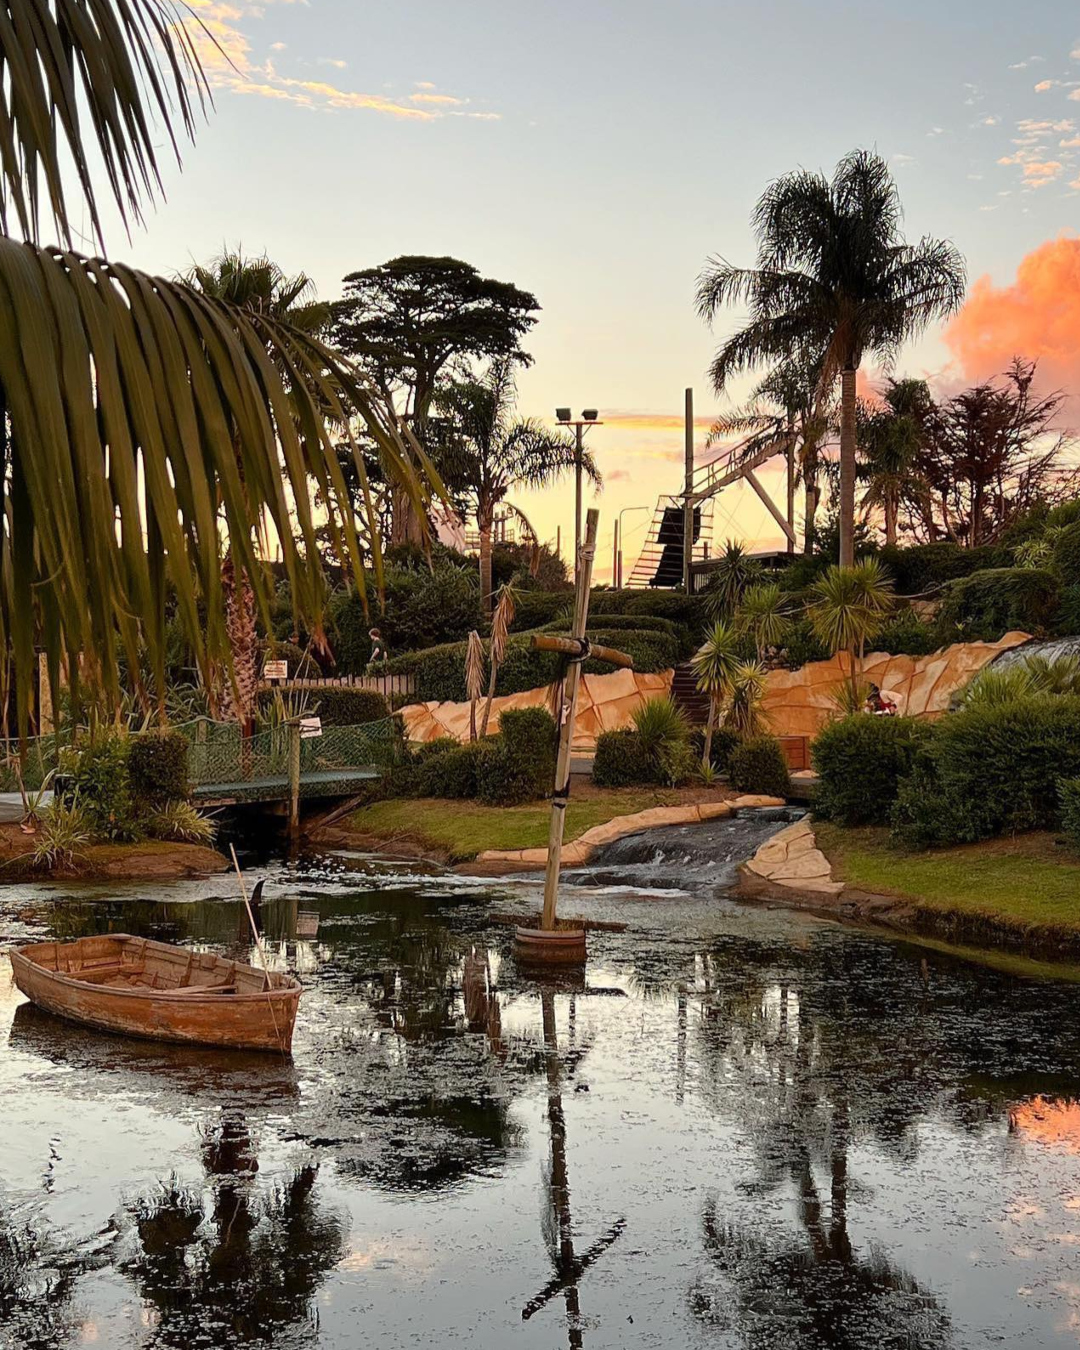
[
  {"x": 1023, "y": 65},
  {"x": 221, "y": 34}
]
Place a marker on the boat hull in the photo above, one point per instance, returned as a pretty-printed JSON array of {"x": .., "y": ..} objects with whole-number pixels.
[{"x": 60, "y": 978}]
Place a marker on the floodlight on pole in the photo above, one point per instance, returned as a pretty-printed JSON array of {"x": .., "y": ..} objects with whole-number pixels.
[{"x": 588, "y": 418}]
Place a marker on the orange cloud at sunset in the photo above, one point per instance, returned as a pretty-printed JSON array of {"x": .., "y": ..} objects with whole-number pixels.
[{"x": 1037, "y": 317}]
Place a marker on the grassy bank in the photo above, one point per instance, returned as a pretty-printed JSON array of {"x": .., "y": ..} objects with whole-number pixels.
[
  {"x": 1026, "y": 885},
  {"x": 461, "y": 830}
]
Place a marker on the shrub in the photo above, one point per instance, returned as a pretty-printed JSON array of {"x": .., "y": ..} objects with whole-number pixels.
[
  {"x": 157, "y": 764},
  {"x": 102, "y": 782},
  {"x": 991, "y": 769},
  {"x": 665, "y": 739},
  {"x": 724, "y": 740},
  {"x": 302, "y": 666},
  {"x": 620, "y": 760},
  {"x": 180, "y": 822},
  {"x": 534, "y": 609},
  {"x": 990, "y": 604},
  {"x": 860, "y": 762},
  {"x": 906, "y": 634},
  {"x": 1069, "y": 802},
  {"x": 923, "y": 567},
  {"x": 518, "y": 765},
  {"x": 345, "y": 707},
  {"x": 422, "y": 609},
  {"x": 452, "y": 772},
  {"x": 64, "y": 835},
  {"x": 758, "y": 765},
  {"x": 802, "y": 645},
  {"x": 1065, "y": 559}
]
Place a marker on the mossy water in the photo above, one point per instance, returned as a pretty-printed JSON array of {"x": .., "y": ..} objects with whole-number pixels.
[{"x": 742, "y": 1127}]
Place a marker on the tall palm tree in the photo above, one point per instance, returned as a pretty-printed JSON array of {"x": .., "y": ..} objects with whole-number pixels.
[
  {"x": 125, "y": 399},
  {"x": 257, "y": 286},
  {"x": 762, "y": 613},
  {"x": 488, "y": 453},
  {"x": 834, "y": 277},
  {"x": 891, "y": 440}
]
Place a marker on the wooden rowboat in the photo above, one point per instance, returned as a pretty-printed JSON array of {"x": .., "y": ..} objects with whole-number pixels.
[{"x": 159, "y": 992}]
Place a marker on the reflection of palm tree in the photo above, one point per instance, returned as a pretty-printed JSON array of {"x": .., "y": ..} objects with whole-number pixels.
[
  {"x": 245, "y": 1266},
  {"x": 37, "y": 1281},
  {"x": 569, "y": 1267}
]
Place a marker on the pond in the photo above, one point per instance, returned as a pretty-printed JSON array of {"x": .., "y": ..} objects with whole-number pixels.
[{"x": 743, "y": 1127}]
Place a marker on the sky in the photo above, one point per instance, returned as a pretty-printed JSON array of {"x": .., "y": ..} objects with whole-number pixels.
[{"x": 597, "y": 154}]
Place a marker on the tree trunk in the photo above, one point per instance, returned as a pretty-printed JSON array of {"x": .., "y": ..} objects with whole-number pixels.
[
  {"x": 847, "y": 466},
  {"x": 810, "y": 474},
  {"x": 238, "y": 695},
  {"x": 890, "y": 520},
  {"x": 405, "y": 527},
  {"x": 706, "y": 758},
  {"x": 490, "y": 696},
  {"x": 790, "y": 514},
  {"x": 485, "y": 566}
]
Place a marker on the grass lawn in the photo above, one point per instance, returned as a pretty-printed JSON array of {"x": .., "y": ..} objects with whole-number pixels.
[
  {"x": 1021, "y": 881},
  {"x": 464, "y": 829}
]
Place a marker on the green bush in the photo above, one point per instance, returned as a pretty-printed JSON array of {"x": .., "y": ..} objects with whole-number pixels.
[
  {"x": 665, "y": 739},
  {"x": 621, "y": 761},
  {"x": 301, "y": 665},
  {"x": 906, "y": 634},
  {"x": 922, "y": 567},
  {"x": 346, "y": 707},
  {"x": 1065, "y": 559},
  {"x": 1069, "y": 802},
  {"x": 860, "y": 762},
  {"x": 987, "y": 605},
  {"x": 157, "y": 765},
  {"x": 1067, "y": 623},
  {"x": 758, "y": 765},
  {"x": 452, "y": 772},
  {"x": 534, "y": 609},
  {"x": 991, "y": 769},
  {"x": 802, "y": 645},
  {"x": 518, "y": 765},
  {"x": 422, "y": 609},
  {"x": 724, "y": 740},
  {"x": 102, "y": 786}
]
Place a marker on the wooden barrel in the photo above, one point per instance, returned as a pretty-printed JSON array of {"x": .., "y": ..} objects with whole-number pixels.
[{"x": 562, "y": 946}]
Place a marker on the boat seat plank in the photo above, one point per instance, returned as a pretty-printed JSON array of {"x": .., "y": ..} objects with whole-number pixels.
[{"x": 102, "y": 974}]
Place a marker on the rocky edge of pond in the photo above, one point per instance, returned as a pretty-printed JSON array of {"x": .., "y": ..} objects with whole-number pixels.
[
  {"x": 152, "y": 860},
  {"x": 792, "y": 870}
]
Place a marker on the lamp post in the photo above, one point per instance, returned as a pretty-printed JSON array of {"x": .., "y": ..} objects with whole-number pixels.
[
  {"x": 619, "y": 542},
  {"x": 587, "y": 419}
]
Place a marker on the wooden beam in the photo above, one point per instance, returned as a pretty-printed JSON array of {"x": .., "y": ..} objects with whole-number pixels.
[
  {"x": 777, "y": 447},
  {"x": 569, "y": 646},
  {"x": 777, "y": 515}
]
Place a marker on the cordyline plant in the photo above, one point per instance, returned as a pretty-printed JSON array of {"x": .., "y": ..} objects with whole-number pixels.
[
  {"x": 848, "y": 608},
  {"x": 714, "y": 664},
  {"x": 142, "y": 422}
]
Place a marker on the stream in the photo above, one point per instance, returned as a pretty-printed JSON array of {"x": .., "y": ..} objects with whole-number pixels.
[{"x": 741, "y": 1127}]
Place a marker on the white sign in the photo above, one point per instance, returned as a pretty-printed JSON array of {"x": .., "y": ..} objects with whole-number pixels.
[
  {"x": 276, "y": 670},
  {"x": 310, "y": 727}
]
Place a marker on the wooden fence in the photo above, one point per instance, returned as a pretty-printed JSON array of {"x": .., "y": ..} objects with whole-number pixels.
[{"x": 386, "y": 685}]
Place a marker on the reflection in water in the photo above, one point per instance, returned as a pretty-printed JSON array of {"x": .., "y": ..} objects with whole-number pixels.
[
  {"x": 558, "y": 1221},
  {"x": 757, "y": 1131},
  {"x": 229, "y": 1264}
]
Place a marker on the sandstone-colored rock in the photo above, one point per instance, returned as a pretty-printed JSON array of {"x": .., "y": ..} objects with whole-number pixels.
[
  {"x": 806, "y": 865},
  {"x": 714, "y": 810},
  {"x": 753, "y": 799}
]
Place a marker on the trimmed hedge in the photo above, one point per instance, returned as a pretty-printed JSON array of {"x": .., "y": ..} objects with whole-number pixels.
[
  {"x": 860, "y": 762},
  {"x": 452, "y": 771},
  {"x": 907, "y": 635},
  {"x": 987, "y": 605},
  {"x": 621, "y": 761},
  {"x": 346, "y": 707},
  {"x": 518, "y": 765},
  {"x": 1065, "y": 560},
  {"x": 157, "y": 764},
  {"x": 758, "y": 765},
  {"x": 990, "y": 770},
  {"x": 924, "y": 566},
  {"x": 534, "y": 609}
]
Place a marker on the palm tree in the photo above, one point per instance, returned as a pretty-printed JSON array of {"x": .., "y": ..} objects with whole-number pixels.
[
  {"x": 488, "y": 454},
  {"x": 784, "y": 405},
  {"x": 848, "y": 608},
  {"x": 833, "y": 277},
  {"x": 259, "y": 287},
  {"x": 125, "y": 399},
  {"x": 762, "y": 615},
  {"x": 891, "y": 439},
  {"x": 742, "y": 708},
  {"x": 714, "y": 664}
]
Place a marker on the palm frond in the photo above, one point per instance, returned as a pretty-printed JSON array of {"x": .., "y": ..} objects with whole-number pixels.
[
  {"x": 132, "y": 402},
  {"x": 77, "y": 75}
]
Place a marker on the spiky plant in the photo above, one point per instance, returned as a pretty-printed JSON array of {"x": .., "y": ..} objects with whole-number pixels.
[
  {"x": 64, "y": 836},
  {"x": 665, "y": 737},
  {"x": 180, "y": 822},
  {"x": 742, "y": 708},
  {"x": 763, "y": 615},
  {"x": 834, "y": 277},
  {"x": 500, "y": 632},
  {"x": 474, "y": 677},
  {"x": 734, "y": 572},
  {"x": 713, "y": 664},
  {"x": 848, "y": 608}
]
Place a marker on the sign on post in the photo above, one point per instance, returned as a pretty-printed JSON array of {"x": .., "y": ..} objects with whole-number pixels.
[
  {"x": 276, "y": 670},
  {"x": 310, "y": 727}
]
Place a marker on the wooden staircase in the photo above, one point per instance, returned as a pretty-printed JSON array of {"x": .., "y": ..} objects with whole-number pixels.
[{"x": 686, "y": 695}]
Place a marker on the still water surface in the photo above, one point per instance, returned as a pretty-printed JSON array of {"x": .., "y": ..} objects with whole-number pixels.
[{"x": 743, "y": 1128}]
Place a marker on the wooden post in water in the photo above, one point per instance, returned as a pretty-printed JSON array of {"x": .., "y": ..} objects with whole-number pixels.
[
  {"x": 294, "y": 782},
  {"x": 688, "y": 494}
]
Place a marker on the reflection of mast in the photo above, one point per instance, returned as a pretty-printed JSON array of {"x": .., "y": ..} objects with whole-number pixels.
[{"x": 569, "y": 1268}]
